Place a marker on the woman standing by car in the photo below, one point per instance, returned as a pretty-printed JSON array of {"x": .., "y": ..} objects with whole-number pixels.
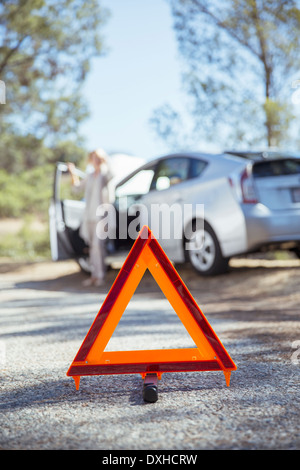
[{"x": 95, "y": 193}]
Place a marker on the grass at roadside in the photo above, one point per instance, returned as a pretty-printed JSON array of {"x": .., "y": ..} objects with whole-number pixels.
[
  {"x": 26, "y": 239},
  {"x": 24, "y": 202}
]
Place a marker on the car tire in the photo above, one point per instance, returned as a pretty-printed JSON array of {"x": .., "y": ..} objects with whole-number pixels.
[{"x": 204, "y": 252}]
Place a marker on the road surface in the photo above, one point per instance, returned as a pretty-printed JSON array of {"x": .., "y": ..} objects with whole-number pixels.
[{"x": 45, "y": 314}]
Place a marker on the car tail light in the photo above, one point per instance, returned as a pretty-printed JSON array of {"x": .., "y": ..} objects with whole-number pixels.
[{"x": 248, "y": 189}]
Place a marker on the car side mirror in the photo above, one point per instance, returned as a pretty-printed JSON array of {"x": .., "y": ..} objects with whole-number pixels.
[{"x": 162, "y": 183}]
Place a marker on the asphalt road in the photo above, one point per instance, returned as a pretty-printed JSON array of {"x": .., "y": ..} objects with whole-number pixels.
[{"x": 45, "y": 314}]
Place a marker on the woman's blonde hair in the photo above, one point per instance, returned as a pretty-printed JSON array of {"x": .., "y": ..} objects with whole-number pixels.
[{"x": 100, "y": 154}]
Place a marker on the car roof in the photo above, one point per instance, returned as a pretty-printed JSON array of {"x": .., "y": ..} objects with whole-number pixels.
[
  {"x": 263, "y": 155},
  {"x": 200, "y": 155}
]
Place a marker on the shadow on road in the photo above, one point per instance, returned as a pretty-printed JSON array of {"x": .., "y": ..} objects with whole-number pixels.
[{"x": 240, "y": 271}]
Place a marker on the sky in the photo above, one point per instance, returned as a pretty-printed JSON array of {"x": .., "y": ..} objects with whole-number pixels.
[{"x": 140, "y": 72}]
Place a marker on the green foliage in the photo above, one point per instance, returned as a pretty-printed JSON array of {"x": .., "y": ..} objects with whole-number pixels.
[
  {"x": 278, "y": 118},
  {"x": 45, "y": 53},
  {"x": 26, "y": 193},
  {"x": 18, "y": 152},
  {"x": 27, "y": 244},
  {"x": 240, "y": 59}
]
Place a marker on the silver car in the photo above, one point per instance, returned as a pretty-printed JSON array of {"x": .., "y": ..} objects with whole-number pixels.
[{"x": 237, "y": 203}]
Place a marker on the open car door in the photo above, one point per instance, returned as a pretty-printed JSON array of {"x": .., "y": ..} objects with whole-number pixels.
[{"x": 65, "y": 215}]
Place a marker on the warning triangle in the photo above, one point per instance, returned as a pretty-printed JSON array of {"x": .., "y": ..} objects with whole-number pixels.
[{"x": 209, "y": 354}]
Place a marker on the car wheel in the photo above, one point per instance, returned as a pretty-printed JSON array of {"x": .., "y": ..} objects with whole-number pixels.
[{"x": 204, "y": 253}]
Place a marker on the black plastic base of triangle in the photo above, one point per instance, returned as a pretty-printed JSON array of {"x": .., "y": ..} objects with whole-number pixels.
[{"x": 150, "y": 391}]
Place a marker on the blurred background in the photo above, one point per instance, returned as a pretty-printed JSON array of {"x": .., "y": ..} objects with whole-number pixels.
[{"x": 136, "y": 78}]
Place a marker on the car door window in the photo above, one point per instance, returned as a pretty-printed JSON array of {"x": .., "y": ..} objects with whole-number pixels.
[
  {"x": 128, "y": 195},
  {"x": 134, "y": 188},
  {"x": 138, "y": 184},
  {"x": 170, "y": 171},
  {"x": 197, "y": 167}
]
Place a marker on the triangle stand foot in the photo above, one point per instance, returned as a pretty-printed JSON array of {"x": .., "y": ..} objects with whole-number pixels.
[
  {"x": 77, "y": 381},
  {"x": 150, "y": 388}
]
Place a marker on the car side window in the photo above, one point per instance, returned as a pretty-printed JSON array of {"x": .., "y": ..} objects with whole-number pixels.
[
  {"x": 197, "y": 167},
  {"x": 170, "y": 171}
]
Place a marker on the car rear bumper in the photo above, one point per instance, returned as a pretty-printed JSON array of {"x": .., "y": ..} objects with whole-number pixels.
[{"x": 265, "y": 226}]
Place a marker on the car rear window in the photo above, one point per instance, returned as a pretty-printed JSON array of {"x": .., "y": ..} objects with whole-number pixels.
[{"x": 276, "y": 168}]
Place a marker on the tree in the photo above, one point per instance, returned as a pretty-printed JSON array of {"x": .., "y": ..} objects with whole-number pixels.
[
  {"x": 45, "y": 51},
  {"x": 241, "y": 58}
]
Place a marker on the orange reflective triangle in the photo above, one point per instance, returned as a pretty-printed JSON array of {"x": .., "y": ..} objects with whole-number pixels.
[{"x": 209, "y": 354}]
